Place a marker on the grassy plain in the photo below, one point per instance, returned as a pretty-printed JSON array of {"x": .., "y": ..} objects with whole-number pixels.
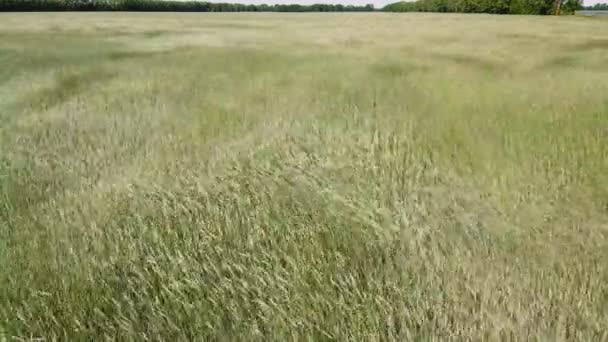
[{"x": 303, "y": 176}]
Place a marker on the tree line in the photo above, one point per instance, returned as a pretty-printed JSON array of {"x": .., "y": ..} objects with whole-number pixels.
[
  {"x": 167, "y": 6},
  {"x": 598, "y": 7},
  {"x": 535, "y": 7}
]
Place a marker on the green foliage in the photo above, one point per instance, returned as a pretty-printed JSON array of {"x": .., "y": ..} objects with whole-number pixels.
[
  {"x": 571, "y": 6},
  {"x": 167, "y": 6},
  {"x": 598, "y": 7},
  {"x": 535, "y": 7}
]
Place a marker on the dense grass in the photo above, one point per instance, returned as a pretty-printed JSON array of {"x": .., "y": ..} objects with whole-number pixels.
[{"x": 272, "y": 176}]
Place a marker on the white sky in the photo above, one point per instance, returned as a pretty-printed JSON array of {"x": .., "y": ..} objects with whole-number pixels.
[{"x": 377, "y": 3}]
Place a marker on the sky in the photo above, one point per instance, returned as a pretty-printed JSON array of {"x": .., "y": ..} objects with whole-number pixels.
[{"x": 377, "y": 3}]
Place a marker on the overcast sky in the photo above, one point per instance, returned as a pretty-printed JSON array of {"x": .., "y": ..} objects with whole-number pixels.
[{"x": 377, "y": 3}]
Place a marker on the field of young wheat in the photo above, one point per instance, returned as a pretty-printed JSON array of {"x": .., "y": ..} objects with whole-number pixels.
[{"x": 303, "y": 177}]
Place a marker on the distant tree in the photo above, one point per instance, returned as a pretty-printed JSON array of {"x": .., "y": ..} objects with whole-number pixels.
[
  {"x": 164, "y": 5},
  {"x": 537, "y": 7},
  {"x": 571, "y": 6},
  {"x": 598, "y": 7}
]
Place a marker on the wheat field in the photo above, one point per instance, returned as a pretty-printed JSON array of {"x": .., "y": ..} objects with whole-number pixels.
[{"x": 359, "y": 177}]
